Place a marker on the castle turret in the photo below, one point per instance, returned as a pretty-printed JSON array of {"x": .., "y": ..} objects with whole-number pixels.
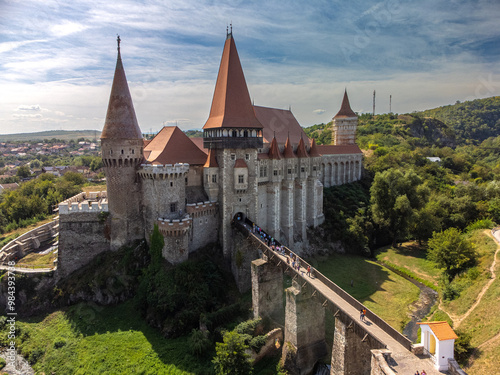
[
  {"x": 122, "y": 153},
  {"x": 345, "y": 123},
  {"x": 235, "y": 134}
]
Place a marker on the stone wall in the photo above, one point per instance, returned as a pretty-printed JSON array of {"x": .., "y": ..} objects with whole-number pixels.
[
  {"x": 454, "y": 368},
  {"x": 379, "y": 365},
  {"x": 82, "y": 236},
  {"x": 205, "y": 227}
]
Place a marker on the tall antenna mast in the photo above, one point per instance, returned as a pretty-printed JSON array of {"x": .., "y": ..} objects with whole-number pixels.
[
  {"x": 390, "y": 103},
  {"x": 374, "y": 103}
]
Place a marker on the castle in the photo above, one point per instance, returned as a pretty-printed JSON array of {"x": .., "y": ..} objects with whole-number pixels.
[{"x": 252, "y": 161}]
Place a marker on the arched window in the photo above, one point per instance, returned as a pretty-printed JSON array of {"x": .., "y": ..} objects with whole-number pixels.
[
  {"x": 235, "y": 133},
  {"x": 245, "y": 133}
]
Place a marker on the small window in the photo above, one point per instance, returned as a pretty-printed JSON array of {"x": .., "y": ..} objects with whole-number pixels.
[
  {"x": 241, "y": 179},
  {"x": 214, "y": 178},
  {"x": 208, "y": 178},
  {"x": 247, "y": 156},
  {"x": 122, "y": 152},
  {"x": 289, "y": 170},
  {"x": 235, "y": 133},
  {"x": 314, "y": 168},
  {"x": 173, "y": 207},
  {"x": 111, "y": 152},
  {"x": 186, "y": 180},
  {"x": 275, "y": 172},
  {"x": 171, "y": 184},
  {"x": 302, "y": 169},
  {"x": 233, "y": 156},
  {"x": 133, "y": 151}
]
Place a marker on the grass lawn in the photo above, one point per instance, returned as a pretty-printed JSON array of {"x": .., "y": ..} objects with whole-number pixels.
[
  {"x": 89, "y": 339},
  {"x": 37, "y": 260},
  {"x": 411, "y": 256},
  {"x": 382, "y": 291}
]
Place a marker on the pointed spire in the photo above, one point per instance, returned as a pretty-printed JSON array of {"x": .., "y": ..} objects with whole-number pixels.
[
  {"x": 121, "y": 122},
  {"x": 274, "y": 151},
  {"x": 301, "y": 149},
  {"x": 313, "y": 152},
  {"x": 231, "y": 104},
  {"x": 345, "y": 109},
  {"x": 288, "y": 151},
  {"x": 211, "y": 160}
]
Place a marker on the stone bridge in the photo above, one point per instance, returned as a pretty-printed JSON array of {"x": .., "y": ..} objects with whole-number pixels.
[{"x": 369, "y": 347}]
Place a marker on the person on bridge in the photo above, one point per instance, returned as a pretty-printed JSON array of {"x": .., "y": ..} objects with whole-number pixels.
[
  {"x": 309, "y": 271},
  {"x": 361, "y": 315}
]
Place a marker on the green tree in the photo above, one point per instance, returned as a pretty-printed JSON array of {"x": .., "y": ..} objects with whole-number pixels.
[
  {"x": 23, "y": 171},
  {"x": 156, "y": 247},
  {"x": 394, "y": 197},
  {"x": 230, "y": 357},
  {"x": 450, "y": 250}
]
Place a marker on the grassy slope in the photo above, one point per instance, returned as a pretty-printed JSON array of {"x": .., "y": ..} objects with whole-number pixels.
[
  {"x": 411, "y": 257},
  {"x": 58, "y": 134},
  {"x": 381, "y": 290},
  {"x": 106, "y": 340}
]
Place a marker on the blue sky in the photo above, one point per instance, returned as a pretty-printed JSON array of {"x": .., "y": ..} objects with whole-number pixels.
[{"x": 57, "y": 58}]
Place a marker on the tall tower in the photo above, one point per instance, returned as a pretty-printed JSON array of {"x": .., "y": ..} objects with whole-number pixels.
[
  {"x": 233, "y": 134},
  {"x": 122, "y": 153},
  {"x": 345, "y": 123}
]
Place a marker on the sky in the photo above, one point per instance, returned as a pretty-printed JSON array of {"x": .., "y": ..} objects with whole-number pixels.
[{"x": 57, "y": 58}]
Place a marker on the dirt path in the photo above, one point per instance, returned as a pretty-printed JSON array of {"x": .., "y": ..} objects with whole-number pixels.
[{"x": 457, "y": 320}]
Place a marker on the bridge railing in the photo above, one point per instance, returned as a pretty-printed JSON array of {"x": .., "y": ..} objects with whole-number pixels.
[{"x": 396, "y": 335}]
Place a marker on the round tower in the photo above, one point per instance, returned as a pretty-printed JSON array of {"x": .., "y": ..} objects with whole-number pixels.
[{"x": 122, "y": 153}]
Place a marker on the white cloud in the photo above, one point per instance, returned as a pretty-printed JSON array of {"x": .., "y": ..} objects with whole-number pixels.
[
  {"x": 67, "y": 28},
  {"x": 319, "y": 111},
  {"x": 34, "y": 107}
]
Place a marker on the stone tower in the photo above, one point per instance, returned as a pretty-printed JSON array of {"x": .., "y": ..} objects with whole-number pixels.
[
  {"x": 345, "y": 123},
  {"x": 233, "y": 134},
  {"x": 122, "y": 153}
]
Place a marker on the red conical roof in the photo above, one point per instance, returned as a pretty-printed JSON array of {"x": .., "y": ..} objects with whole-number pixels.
[
  {"x": 231, "y": 104},
  {"x": 313, "y": 152},
  {"x": 301, "y": 149},
  {"x": 274, "y": 151},
  {"x": 211, "y": 160},
  {"x": 345, "y": 109},
  {"x": 120, "y": 122},
  {"x": 288, "y": 151}
]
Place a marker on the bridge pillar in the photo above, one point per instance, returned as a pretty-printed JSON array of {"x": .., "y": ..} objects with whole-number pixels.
[
  {"x": 267, "y": 291},
  {"x": 351, "y": 352},
  {"x": 304, "y": 331}
]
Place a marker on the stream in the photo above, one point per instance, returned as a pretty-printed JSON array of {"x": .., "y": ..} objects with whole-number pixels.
[{"x": 420, "y": 308}]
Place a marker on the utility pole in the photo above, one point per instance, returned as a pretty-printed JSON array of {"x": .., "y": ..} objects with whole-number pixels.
[{"x": 373, "y": 103}]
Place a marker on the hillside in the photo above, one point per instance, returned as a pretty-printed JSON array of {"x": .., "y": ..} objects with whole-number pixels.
[{"x": 65, "y": 135}]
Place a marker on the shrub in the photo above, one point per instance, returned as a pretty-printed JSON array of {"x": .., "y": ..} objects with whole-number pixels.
[
  {"x": 463, "y": 347},
  {"x": 257, "y": 342},
  {"x": 480, "y": 224},
  {"x": 2, "y": 363},
  {"x": 59, "y": 343},
  {"x": 199, "y": 342}
]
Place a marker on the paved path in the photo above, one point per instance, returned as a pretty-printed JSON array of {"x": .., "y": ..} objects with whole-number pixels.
[
  {"x": 405, "y": 361},
  {"x": 27, "y": 270}
]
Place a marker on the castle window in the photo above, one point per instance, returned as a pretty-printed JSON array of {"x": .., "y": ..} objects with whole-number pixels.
[
  {"x": 186, "y": 180},
  {"x": 235, "y": 133},
  {"x": 208, "y": 178},
  {"x": 171, "y": 184},
  {"x": 111, "y": 152},
  {"x": 275, "y": 172},
  {"x": 314, "y": 168},
  {"x": 214, "y": 178},
  {"x": 245, "y": 134},
  {"x": 122, "y": 152},
  {"x": 289, "y": 170},
  {"x": 247, "y": 156},
  {"x": 241, "y": 179},
  {"x": 173, "y": 207},
  {"x": 302, "y": 169},
  {"x": 233, "y": 156},
  {"x": 133, "y": 151}
]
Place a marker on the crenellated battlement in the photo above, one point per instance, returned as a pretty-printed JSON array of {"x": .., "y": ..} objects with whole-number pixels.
[
  {"x": 83, "y": 202},
  {"x": 163, "y": 172},
  {"x": 174, "y": 228},
  {"x": 201, "y": 208}
]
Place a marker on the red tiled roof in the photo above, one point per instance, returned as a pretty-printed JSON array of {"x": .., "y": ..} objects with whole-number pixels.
[
  {"x": 240, "y": 163},
  {"x": 172, "y": 146},
  {"x": 313, "y": 152},
  {"x": 211, "y": 160},
  {"x": 338, "y": 149},
  {"x": 231, "y": 104},
  {"x": 301, "y": 149},
  {"x": 442, "y": 330},
  {"x": 146, "y": 142},
  {"x": 198, "y": 141},
  {"x": 262, "y": 155},
  {"x": 274, "y": 151},
  {"x": 288, "y": 151},
  {"x": 345, "y": 109},
  {"x": 280, "y": 123},
  {"x": 121, "y": 122}
]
